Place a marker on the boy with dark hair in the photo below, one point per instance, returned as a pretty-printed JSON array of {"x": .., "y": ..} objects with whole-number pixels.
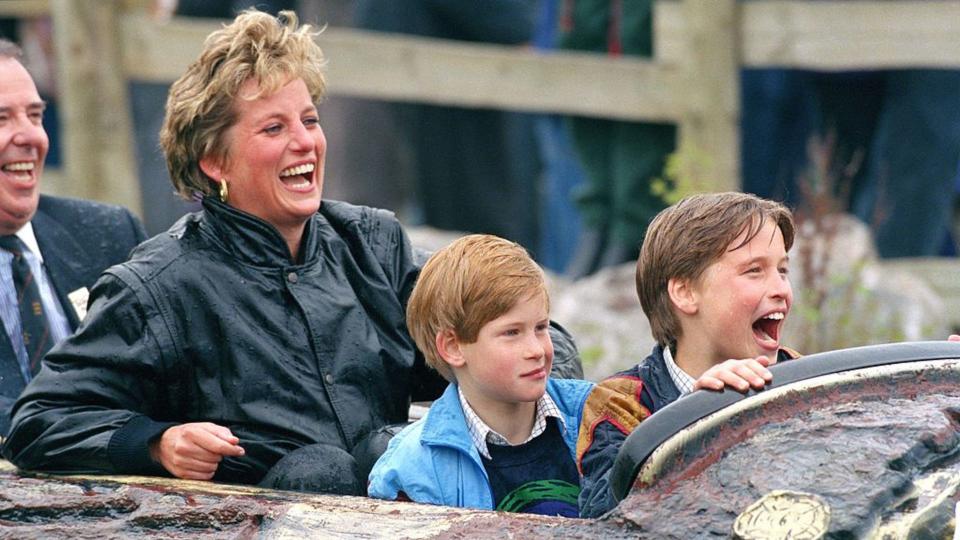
[
  {"x": 712, "y": 280},
  {"x": 503, "y": 434}
]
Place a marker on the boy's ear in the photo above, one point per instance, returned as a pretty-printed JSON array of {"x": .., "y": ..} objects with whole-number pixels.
[
  {"x": 683, "y": 296},
  {"x": 448, "y": 347}
]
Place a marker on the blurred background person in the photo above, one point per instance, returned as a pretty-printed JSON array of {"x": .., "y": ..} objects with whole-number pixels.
[
  {"x": 370, "y": 150},
  {"x": 476, "y": 170},
  {"x": 562, "y": 174},
  {"x": 620, "y": 158},
  {"x": 887, "y": 140},
  {"x": 891, "y": 140}
]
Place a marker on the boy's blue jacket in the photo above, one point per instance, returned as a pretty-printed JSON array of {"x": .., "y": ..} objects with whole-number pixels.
[{"x": 434, "y": 460}]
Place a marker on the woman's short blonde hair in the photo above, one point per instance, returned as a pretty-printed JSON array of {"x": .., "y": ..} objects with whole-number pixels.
[
  {"x": 464, "y": 286},
  {"x": 201, "y": 105}
]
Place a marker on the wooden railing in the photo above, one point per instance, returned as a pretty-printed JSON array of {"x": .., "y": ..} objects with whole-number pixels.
[
  {"x": 701, "y": 45},
  {"x": 693, "y": 81}
]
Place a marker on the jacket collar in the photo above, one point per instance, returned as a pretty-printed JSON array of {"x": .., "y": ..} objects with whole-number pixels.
[
  {"x": 663, "y": 390},
  {"x": 445, "y": 424},
  {"x": 252, "y": 239}
]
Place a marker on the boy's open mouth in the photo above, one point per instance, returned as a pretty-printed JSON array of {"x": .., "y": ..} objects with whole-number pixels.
[{"x": 767, "y": 328}]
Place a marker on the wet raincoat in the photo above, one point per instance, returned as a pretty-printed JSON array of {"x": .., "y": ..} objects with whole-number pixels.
[{"x": 210, "y": 321}]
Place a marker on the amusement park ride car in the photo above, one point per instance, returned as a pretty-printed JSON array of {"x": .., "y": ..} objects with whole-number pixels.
[{"x": 857, "y": 443}]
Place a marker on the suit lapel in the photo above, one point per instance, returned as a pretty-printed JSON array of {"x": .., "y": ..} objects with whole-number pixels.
[
  {"x": 11, "y": 378},
  {"x": 64, "y": 259}
]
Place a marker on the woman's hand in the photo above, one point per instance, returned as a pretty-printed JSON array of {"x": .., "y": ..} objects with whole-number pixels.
[
  {"x": 193, "y": 451},
  {"x": 740, "y": 375}
]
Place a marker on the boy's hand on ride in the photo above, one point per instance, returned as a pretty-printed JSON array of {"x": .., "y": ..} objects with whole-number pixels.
[
  {"x": 741, "y": 375},
  {"x": 193, "y": 451},
  {"x": 954, "y": 337}
]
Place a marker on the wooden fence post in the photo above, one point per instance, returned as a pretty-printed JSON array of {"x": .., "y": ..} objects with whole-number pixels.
[
  {"x": 709, "y": 126},
  {"x": 97, "y": 129}
]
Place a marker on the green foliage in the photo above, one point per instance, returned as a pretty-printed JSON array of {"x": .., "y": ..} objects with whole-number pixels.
[
  {"x": 683, "y": 175},
  {"x": 834, "y": 308},
  {"x": 591, "y": 355},
  {"x": 844, "y": 314}
]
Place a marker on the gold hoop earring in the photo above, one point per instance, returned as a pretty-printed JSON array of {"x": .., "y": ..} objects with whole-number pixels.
[{"x": 224, "y": 191}]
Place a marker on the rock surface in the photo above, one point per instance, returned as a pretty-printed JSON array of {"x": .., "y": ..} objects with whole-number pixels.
[
  {"x": 881, "y": 448},
  {"x": 77, "y": 507}
]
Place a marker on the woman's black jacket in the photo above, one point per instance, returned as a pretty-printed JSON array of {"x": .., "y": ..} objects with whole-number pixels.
[{"x": 211, "y": 322}]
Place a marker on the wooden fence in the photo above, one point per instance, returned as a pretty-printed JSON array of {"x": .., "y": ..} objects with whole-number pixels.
[{"x": 701, "y": 45}]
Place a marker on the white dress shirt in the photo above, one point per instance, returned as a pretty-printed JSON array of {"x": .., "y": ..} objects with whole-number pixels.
[
  {"x": 482, "y": 434},
  {"x": 679, "y": 377}
]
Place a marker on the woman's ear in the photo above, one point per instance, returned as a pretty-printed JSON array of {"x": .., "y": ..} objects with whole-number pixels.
[
  {"x": 683, "y": 296},
  {"x": 212, "y": 168},
  {"x": 448, "y": 346}
]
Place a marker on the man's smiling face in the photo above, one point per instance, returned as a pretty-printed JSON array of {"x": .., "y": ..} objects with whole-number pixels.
[{"x": 23, "y": 145}]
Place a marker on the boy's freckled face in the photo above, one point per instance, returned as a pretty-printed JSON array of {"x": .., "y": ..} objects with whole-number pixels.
[
  {"x": 511, "y": 359},
  {"x": 744, "y": 298}
]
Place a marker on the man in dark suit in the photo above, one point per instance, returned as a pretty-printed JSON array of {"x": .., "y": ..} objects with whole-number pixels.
[{"x": 51, "y": 249}]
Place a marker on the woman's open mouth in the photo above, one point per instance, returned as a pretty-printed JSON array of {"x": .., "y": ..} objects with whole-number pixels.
[{"x": 298, "y": 177}]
